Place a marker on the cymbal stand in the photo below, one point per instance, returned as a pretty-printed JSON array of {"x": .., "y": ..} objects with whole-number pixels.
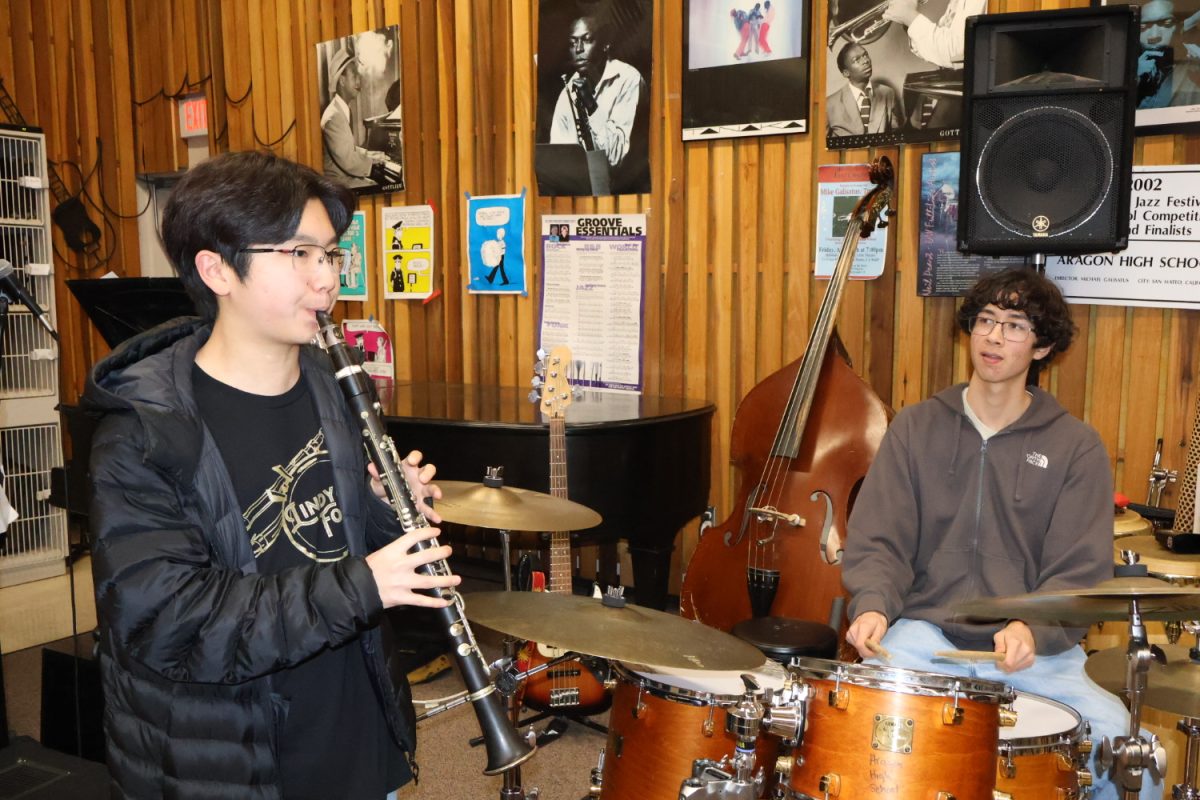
[
  {"x": 512, "y": 789},
  {"x": 1127, "y": 757},
  {"x": 1190, "y": 788}
]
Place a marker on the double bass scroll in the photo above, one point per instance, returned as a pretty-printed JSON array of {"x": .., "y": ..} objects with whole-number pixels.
[{"x": 802, "y": 442}]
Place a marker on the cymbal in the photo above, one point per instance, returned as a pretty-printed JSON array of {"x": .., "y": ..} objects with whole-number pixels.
[
  {"x": 1106, "y": 601},
  {"x": 511, "y": 509},
  {"x": 1173, "y": 687},
  {"x": 633, "y": 634}
]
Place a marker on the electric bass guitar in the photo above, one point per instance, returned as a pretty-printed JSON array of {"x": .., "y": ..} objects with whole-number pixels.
[{"x": 570, "y": 685}]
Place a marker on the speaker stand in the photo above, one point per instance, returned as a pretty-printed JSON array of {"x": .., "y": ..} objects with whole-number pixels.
[{"x": 1036, "y": 262}]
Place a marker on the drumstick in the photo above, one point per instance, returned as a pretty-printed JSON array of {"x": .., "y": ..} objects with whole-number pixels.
[
  {"x": 970, "y": 655},
  {"x": 878, "y": 649}
]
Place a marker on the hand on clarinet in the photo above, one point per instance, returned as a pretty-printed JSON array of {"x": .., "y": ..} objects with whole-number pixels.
[
  {"x": 1015, "y": 642},
  {"x": 869, "y": 626},
  {"x": 418, "y": 478},
  {"x": 396, "y": 575}
]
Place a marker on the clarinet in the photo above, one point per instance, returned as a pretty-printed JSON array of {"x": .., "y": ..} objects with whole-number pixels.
[{"x": 505, "y": 747}]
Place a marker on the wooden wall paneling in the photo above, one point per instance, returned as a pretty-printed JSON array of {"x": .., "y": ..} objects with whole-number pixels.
[
  {"x": 1141, "y": 402},
  {"x": 908, "y": 322},
  {"x": 722, "y": 390},
  {"x": 667, "y": 198},
  {"x": 697, "y": 268},
  {"x": 264, "y": 110},
  {"x": 768, "y": 354},
  {"x": 747, "y": 228},
  {"x": 1107, "y": 370},
  {"x": 450, "y": 231},
  {"x": 459, "y": 63},
  {"x": 1182, "y": 395},
  {"x": 1069, "y": 369},
  {"x": 799, "y": 202}
]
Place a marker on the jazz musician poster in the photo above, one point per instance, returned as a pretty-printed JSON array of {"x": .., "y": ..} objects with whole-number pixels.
[
  {"x": 362, "y": 121},
  {"x": 894, "y": 70},
  {"x": 593, "y": 108},
  {"x": 746, "y": 68},
  {"x": 1168, "y": 67}
]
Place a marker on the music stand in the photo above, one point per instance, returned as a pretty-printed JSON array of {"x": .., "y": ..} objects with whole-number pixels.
[
  {"x": 120, "y": 308},
  {"x": 567, "y": 170}
]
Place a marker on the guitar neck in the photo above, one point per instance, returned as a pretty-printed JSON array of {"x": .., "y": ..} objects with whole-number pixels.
[{"x": 560, "y": 541}]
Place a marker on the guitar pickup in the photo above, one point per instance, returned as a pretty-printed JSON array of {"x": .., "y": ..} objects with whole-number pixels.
[{"x": 564, "y": 697}]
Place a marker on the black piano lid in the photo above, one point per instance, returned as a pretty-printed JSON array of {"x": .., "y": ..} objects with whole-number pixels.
[{"x": 121, "y": 308}]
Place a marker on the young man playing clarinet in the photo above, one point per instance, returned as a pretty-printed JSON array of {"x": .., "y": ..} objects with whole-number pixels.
[
  {"x": 243, "y": 558},
  {"x": 989, "y": 488}
]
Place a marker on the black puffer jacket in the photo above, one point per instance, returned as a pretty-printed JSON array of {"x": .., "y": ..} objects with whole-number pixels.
[{"x": 189, "y": 632}]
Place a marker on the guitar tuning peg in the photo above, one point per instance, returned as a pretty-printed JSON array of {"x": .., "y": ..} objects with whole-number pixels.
[
  {"x": 536, "y": 381},
  {"x": 539, "y": 367},
  {"x": 541, "y": 354},
  {"x": 576, "y": 392},
  {"x": 534, "y": 395}
]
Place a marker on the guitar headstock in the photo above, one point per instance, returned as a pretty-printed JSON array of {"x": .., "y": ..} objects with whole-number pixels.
[
  {"x": 875, "y": 208},
  {"x": 555, "y": 386}
]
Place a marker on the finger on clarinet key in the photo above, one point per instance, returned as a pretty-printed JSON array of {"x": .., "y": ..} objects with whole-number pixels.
[
  {"x": 970, "y": 655},
  {"x": 878, "y": 649}
]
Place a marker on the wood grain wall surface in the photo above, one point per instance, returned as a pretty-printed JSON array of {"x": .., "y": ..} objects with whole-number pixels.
[{"x": 729, "y": 293}]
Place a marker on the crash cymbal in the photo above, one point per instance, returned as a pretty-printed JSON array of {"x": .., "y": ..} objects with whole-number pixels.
[
  {"x": 1173, "y": 687},
  {"x": 632, "y": 634},
  {"x": 511, "y": 509},
  {"x": 1106, "y": 601}
]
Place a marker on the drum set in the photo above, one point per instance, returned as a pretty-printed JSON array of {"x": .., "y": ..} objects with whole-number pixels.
[{"x": 698, "y": 713}]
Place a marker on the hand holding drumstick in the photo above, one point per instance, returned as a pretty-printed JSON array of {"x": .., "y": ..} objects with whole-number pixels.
[{"x": 866, "y": 632}]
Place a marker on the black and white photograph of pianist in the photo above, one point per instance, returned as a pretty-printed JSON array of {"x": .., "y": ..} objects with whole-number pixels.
[
  {"x": 362, "y": 120},
  {"x": 894, "y": 70},
  {"x": 593, "y": 108}
]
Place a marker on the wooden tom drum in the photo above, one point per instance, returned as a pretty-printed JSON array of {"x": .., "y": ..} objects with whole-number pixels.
[
  {"x": 1045, "y": 754},
  {"x": 884, "y": 732},
  {"x": 661, "y": 722}
]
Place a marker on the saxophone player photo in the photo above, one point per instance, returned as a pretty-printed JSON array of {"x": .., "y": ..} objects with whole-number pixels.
[{"x": 593, "y": 102}]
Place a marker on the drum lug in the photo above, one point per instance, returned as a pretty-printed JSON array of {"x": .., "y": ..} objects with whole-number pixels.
[
  {"x": 1008, "y": 717},
  {"x": 1084, "y": 747},
  {"x": 952, "y": 714},
  {"x": 1084, "y": 777},
  {"x": 839, "y": 698},
  {"x": 999, "y": 795},
  {"x": 830, "y": 784},
  {"x": 708, "y": 727},
  {"x": 638, "y": 706},
  {"x": 1064, "y": 762},
  {"x": 783, "y": 768},
  {"x": 1008, "y": 767},
  {"x": 947, "y": 796}
]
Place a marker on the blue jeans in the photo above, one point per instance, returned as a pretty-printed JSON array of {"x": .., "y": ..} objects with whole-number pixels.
[{"x": 1060, "y": 677}]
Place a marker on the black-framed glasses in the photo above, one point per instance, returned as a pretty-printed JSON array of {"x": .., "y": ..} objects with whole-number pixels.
[
  {"x": 1015, "y": 331},
  {"x": 308, "y": 258}
]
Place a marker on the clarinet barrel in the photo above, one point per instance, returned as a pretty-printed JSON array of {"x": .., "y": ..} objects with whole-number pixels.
[{"x": 505, "y": 747}]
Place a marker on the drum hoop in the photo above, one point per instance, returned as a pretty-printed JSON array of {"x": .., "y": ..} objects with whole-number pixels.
[
  {"x": 904, "y": 681},
  {"x": 668, "y": 692},
  {"x": 1049, "y": 742}
]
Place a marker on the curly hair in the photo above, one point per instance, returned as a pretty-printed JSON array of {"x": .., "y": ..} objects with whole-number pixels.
[{"x": 1023, "y": 289}]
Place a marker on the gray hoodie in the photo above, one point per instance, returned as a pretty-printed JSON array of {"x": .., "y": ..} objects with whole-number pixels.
[{"x": 944, "y": 517}]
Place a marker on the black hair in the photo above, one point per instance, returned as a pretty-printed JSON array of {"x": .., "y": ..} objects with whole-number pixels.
[
  {"x": 1025, "y": 290},
  {"x": 236, "y": 200},
  {"x": 841, "y": 56}
]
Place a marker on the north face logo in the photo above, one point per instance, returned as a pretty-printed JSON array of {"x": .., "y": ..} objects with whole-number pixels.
[{"x": 1037, "y": 459}]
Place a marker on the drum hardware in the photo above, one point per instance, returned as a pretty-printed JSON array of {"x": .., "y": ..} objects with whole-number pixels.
[
  {"x": 1159, "y": 477},
  {"x": 736, "y": 778},
  {"x": 596, "y": 785},
  {"x": 1190, "y": 788},
  {"x": 632, "y": 634}
]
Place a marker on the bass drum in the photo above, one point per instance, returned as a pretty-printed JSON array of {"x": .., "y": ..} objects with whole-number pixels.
[
  {"x": 1045, "y": 754},
  {"x": 877, "y": 732},
  {"x": 663, "y": 721}
]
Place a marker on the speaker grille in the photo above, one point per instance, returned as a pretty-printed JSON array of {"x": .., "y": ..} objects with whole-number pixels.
[{"x": 1046, "y": 170}]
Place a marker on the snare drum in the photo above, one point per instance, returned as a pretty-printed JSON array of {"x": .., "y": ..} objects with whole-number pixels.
[
  {"x": 884, "y": 732},
  {"x": 663, "y": 721},
  {"x": 1045, "y": 754}
]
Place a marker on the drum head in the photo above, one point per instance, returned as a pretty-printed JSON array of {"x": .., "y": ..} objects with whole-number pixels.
[
  {"x": 722, "y": 683},
  {"x": 895, "y": 679},
  {"x": 1039, "y": 717}
]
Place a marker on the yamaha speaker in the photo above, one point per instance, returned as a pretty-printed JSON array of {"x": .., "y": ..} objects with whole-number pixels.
[{"x": 1047, "y": 136}]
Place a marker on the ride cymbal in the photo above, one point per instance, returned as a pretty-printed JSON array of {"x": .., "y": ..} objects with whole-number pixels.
[
  {"x": 632, "y": 634},
  {"x": 1106, "y": 601},
  {"x": 511, "y": 509},
  {"x": 1173, "y": 687}
]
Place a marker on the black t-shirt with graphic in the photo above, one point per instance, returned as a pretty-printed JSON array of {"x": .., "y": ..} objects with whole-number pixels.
[{"x": 335, "y": 741}]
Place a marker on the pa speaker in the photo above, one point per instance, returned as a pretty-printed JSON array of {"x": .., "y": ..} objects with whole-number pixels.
[{"x": 1047, "y": 142}]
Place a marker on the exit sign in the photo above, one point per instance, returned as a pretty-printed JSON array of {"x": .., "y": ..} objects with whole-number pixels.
[{"x": 193, "y": 116}]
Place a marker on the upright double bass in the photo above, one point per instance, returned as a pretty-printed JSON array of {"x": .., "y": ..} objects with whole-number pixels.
[{"x": 802, "y": 442}]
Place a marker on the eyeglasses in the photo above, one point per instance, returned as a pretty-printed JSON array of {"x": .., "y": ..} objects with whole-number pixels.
[
  {"x": 1014, "y": 331},
  {"x": 308, "y": 258}
]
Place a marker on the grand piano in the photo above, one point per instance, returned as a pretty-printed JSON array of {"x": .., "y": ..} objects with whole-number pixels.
[{"x": 642, "y": 462}]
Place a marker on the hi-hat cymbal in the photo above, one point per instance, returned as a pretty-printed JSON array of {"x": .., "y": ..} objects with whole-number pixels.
[
  {"x": 633, "y": 634},
  {"x": 1173, "y": 687},
  {"x": 1106, "y": 601},
  {"x": 511, "y": 509}
]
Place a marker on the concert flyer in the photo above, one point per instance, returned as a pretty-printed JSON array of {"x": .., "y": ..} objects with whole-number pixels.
[
  {"x": 839, "y": 188},
  {"x": 593, "y": 269}
]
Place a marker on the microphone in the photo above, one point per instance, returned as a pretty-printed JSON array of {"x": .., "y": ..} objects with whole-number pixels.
[
  {"x": 12, "y": 289},
  {"x": 583, "y": 90}
]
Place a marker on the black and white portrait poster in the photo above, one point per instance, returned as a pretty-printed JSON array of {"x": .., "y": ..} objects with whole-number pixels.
[
  {"x": 746, "y": 68},
  {"x": 593, "y": 109},
  {"x": 1168, "y": 67},
  {"x": 362, "y": 122},
  {"x": 895, "y": 71}
]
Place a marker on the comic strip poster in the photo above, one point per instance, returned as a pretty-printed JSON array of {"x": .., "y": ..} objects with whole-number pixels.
[
  {"x": 374, "y": 347},
  {"x": 839, "y": 189},
  {"x": 943, "y": 271},
  {"x": 496, "y": 244},
  {"x": 593, "y": 270},
  {"x": 407, "y": 248},
  {"x": 353, "y": 279},
  {"x": 362, "y": 120},
  {"x": 593, "y": 107},
  {"x": 746, "y": 68},
  {"x": 895, "y": 71}
]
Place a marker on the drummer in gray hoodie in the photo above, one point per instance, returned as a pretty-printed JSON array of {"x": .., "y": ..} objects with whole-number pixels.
[{"x": 989, "y": 488}]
